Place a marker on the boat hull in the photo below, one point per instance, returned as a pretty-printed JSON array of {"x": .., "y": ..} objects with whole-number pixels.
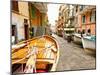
[
  {"x": 77, "y": 39},
  {"x": 89, "y": 46}
]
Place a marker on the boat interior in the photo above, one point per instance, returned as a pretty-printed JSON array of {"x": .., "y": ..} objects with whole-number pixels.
[{"x": 45, "y": 53}]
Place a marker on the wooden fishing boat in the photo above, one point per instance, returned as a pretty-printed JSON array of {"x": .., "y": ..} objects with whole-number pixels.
[
  {"x": 89, "y": 44},
  {"x": 36, "y": 55}
]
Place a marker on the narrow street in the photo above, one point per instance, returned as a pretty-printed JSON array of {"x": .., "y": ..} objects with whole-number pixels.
[
  {"x": 73, "y": 57},
  {"x": 34, "y": 54}
]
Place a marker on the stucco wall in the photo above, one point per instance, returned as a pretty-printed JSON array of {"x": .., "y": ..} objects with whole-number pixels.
[
  {"x": 87, "y": 25},
  {"x": 23, "y": 8},
  {"x": 18, "y": 19}
]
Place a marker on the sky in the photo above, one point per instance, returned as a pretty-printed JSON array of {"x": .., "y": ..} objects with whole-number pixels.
[{"x": 53, "y": 10}]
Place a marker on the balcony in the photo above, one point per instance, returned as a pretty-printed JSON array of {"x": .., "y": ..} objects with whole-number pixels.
[
  {"x": 90, "y": 7},
  {"x": 81, "y": 7},
  {"x": 41, "y": 7},
  {"x": 15, "y": 7},
  {"x": 71, "y": 17},
  {"x": 86, "y": 9},
  {"x": 71, "y": 14}
]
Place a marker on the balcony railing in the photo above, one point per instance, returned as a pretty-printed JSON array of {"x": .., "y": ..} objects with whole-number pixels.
[
  {"x": 82, "y": 7},
  {"x": 41, "y": 7},
  {"x": 90, "y": 7},
  {"x": 86, "y": 9}
]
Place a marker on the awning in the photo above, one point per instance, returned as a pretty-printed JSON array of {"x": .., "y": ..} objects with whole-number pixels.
[{"x": 69, "y": 29}]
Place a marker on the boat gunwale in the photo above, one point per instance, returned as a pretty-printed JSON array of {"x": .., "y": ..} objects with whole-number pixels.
[
  {"x": 79, "y": 36},
  {"x": 88, "y": 39},
  {"x": 84, "y": 42}
]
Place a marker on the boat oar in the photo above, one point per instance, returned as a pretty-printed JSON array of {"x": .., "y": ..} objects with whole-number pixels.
[{"x": 31, "y": 63}]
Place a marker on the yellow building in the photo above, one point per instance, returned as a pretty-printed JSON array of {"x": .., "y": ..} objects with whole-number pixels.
[
  {"x": 38, "y": 18},
  {"x": 71, "y": 17},
  {"x": 62, "y": 18}
]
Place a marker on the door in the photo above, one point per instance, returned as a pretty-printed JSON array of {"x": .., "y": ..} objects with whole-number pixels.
[
  {"x": 14, "y": 34},
  {"x": 26, "y": 32},
  {"x": 26, "y": 29}
]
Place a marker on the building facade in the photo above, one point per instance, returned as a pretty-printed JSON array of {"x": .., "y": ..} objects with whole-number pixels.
[
  {"x": 62, "y": 19},
  {"x": 38, "y": 18},
  {"x": 71, "y": 17},
  {"x": 29, "y": 19},
  {"x": 86, "y": 19},
  {"x": 66, "y": 18},
  {"x": 20, "y": 21}
]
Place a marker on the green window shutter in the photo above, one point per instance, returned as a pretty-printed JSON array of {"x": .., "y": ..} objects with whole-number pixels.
[
  {"x": 83, "y": 19},
  {"x": 33, "y": 13}
]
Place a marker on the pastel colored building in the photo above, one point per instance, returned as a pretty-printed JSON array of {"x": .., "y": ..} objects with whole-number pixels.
[
  {"x": 86, "y": 19},
  {"x": 65, "y": 18},
  {"x": 20, "y": 21},
  {"x": 62, "y": 18},
  {"x": 38, "y": 18},
  {"x": 29, "y": 19}
]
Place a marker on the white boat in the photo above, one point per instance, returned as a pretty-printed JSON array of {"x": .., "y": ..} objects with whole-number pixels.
[
  {"x": 77, "y": 38},
  {"x": 89, "y": 43}
]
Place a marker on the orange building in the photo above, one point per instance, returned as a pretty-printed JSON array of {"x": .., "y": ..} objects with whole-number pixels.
[
  {"x": 38, "y": 18},
  {"x": 86, "y": 19}
]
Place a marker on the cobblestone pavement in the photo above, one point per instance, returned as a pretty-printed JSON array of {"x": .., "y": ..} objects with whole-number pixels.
[{"x": 73, "y": 57}]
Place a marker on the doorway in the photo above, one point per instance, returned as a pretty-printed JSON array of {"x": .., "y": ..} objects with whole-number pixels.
[
  {"x": 26, "y": 29},
  {"x": 14, "y": 34}
]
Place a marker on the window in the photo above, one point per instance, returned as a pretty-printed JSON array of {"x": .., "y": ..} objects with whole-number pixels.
[
  {"x": 83, "y": 31},
  {"x": 13, "y": 30},
  {"x": 83, "y": 19},
  {"x": 14, "y": 34},
  {"x": 62, "y": 17},
  {"x": 25, "y": 21},
  {"x": 81, "y": 7},
  {"x": 15, "y": 6},
  {"x": 89, "y": 31},
  {"x": 93, "y": 16},
  {"x": 59, "y": 14},
  {"x": 76, "y": 8},
  {"x": 79, "y": 31},
  {"x": 33, "y": 12}
]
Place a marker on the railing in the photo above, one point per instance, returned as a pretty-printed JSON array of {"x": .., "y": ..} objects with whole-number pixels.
[{"x": 85, "y": 9}]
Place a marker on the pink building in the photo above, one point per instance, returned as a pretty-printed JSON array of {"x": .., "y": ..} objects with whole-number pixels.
[{"x": 86, "y": 19}]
